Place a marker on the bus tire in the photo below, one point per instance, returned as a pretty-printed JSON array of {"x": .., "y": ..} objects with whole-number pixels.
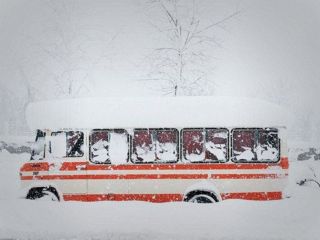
[
  {"x": 43, "y": 193},
  {"x": 201, "y": 197}
]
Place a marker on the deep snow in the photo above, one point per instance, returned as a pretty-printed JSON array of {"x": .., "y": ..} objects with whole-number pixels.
[
  {"x": 156, "y": 112},
  {"x": 296, "y": 217}
]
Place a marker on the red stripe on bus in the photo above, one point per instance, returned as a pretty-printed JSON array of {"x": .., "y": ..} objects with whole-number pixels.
[
  {"x": 253, "y": 196},
  {"x": 35, "y": 167},
  {"x": 247, "y": 176},
  {"x": 154, "y": 176},
  {"x": 73, "y": 166},
  {"x": 124, "y": 197},
  {"x": 262, "y": 196},
  {"x": 284, "y": 163}
]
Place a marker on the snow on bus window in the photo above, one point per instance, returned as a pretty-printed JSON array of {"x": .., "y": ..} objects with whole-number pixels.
[
  {"x": 143, "y": 147},
  {"x": 75, "y": 144},
  {"x": 57, "y": 145},
  {"x": 256, "y": 145},
  {"x": 268, "y": 145},
  {"x": 216, "y": 144},
  {"x": 109, "y": 146},
  {"x": 118, "y": 147},
  {"x": 155, "y": 145},
  {"x": 66, "y": 144},
  {"x": 243, "y": 145},
  {"x": 99, "y": 147},
  {"x": 193, "y": 145},
  {"x": 205, "y": 145},
  {"x": 38, "y": 146},
  {"x": 166, "y": 145}
]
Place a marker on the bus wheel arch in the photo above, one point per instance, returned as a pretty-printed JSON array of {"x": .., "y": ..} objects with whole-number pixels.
[
  {"x": 201, "y": 196},
  {"x": 41, "y": 192},
  {"x": 204, "y": 189}
]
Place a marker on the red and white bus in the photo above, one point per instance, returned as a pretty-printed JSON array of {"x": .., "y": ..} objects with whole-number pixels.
[{"x": 201, "y": 162}]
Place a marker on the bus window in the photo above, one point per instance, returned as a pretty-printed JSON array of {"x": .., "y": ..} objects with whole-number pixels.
[
  {"x": 216, "y": 144},
  {"x": 57, "y": 145},
  {"x": 155, "y": 145},
  {"x": 268, "y": 145},
  {"x": 99, "y": 147},
  {"x": 109, "y": 146},
  {"x": 205, "y": 145},
  {"x": 193, "y": 145},
  {"x": 166, "y": 145},
  {"x": 74, "y": 144},
  {"x": 255, "y": 145},
  {"x": 143, "y": 149},
  {"x": 66, "y": 144},
  {"x": 119, "y": 146},
  {"x": 243, "y": 145}
]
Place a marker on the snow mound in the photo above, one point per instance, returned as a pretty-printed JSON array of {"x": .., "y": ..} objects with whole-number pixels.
[{"x": 155, "y": 112}]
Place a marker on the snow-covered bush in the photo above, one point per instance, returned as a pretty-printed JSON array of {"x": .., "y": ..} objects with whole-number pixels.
[
  {"x": 15, "y": 148},
  {"x": 305, "y": 167}
]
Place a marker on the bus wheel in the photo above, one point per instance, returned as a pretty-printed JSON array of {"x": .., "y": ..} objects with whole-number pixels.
[
  {"x": 43, "y": 193},
  {"x": 201, "y": 197}
]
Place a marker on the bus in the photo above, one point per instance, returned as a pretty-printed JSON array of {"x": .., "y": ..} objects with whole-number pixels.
[{"x": 159, "y": 157}]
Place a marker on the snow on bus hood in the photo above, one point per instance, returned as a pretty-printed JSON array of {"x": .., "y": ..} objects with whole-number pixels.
[{"x": 155, "y": 112}]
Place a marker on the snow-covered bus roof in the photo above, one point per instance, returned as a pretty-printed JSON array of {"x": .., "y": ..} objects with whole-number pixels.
[{"x": 155, "y": 112}]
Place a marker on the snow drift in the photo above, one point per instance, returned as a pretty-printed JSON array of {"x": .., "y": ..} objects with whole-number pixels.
[{"x": 155, "y": 112}]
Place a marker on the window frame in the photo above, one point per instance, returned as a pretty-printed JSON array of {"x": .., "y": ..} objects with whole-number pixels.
[
  {"x": 40, "y": 134},
  {"x": 268, "y": 161},
  {"x": 204, "y": 161},
  {"x": 109, "y": 130},
  {"x": 83, "y": 143},
  {"x": 152, "y": 130}
]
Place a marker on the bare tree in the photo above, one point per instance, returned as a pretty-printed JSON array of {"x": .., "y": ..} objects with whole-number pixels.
[
  {"x": 58, "y": 62},
  {"x": 181, "y": 65},
  {"x": 75, "y": 51},
  {"x": 32, "y": 93}
]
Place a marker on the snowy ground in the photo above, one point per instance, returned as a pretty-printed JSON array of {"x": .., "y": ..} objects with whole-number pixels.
[{"x": 296, "y": 217}]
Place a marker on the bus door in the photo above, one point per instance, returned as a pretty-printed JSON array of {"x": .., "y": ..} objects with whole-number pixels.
[
  {"x": 37, "y": 167},
  {"x": 68, "y": 164}
]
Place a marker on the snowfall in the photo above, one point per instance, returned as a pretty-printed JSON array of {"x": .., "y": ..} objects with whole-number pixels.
[{"x": 297, "y": 216}]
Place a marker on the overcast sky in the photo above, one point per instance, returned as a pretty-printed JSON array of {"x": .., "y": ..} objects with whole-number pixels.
[{"x": 270, "y": 50}]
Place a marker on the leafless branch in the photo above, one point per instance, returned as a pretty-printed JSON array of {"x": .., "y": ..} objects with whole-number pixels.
[
  {"x": 219, "y": 22},
  {"x": 180, "y": 66},
  {"x": 304, "y": 181}
]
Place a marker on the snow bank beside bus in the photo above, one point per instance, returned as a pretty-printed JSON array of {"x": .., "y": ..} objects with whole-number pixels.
[
  {"x": 289, "y": 219},
  {"x": 9, "y": 175},
  {"x": 155, "y": 112}
]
